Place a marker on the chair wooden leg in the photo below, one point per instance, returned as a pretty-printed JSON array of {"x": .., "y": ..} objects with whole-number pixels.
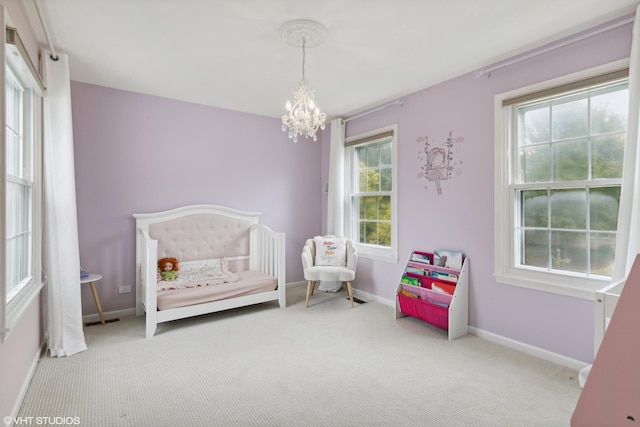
[
  {"x": 310, "y": 286},
  {"x": 350, "y": 293},
  {"x": 313, "y": 287}
]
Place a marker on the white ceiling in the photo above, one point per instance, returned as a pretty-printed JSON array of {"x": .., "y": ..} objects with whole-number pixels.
[{"x": 229, "y": 53}]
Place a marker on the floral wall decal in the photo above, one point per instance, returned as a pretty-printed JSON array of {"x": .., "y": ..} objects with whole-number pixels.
[{"x": 437, "y": 162}]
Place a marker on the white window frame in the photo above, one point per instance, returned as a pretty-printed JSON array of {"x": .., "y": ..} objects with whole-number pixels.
[
  {"x": 505, "y": 271},
  {"x": 13, "y": 57},
  {"x": 375, "y": 252}
]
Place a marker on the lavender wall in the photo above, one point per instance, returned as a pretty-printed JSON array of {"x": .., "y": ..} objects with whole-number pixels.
[
  {"x": 462, "y": 217},
  {"x": 136, "y": 153}
]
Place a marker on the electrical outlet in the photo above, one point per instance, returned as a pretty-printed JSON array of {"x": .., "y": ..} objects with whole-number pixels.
[{"x": 124, "y": 289}]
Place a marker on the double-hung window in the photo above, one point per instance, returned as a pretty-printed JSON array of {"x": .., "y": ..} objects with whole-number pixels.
[
  {"x": 559, "y": 155},
  {"x": 21, "y": 161},
  {"x": 371, "y": 187},
  {"x": 19, "y": 191}
]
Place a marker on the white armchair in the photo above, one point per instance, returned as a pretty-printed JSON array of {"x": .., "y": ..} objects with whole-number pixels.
[{"x": 335, "y": 261}]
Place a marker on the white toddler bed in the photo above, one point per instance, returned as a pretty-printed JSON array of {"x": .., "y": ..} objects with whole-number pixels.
[{"x": 201, "y": 236}]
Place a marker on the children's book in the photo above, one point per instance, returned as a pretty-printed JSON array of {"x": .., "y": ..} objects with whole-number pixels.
[
  {"x": 449, "y": 277},
  {"x": 418, "y": 269},
  {"x": 410, "y": 280},
  {"x": 422, "y": 257},
  {"x": 448, "y": 259}
]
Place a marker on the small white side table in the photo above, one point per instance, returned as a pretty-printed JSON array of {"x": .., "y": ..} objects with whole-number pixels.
[{"x": 94, "y": 278}]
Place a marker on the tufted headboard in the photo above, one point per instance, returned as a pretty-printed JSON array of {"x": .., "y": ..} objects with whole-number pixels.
[{"x": 201, "y": 232}]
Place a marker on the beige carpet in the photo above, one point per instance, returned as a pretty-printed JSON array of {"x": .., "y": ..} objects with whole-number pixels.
[{"x": 327, "y": 365}]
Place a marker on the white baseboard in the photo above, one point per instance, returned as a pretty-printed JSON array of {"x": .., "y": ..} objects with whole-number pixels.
[
  {"x": 550, "y": 356},
  {"x": 498, "y": 339},
  {"x": 301, "y": 282},
  {"x": 359, "y": 294},
  {"x": 371, "y": 297},
  {"x": 116, "y": 314}
]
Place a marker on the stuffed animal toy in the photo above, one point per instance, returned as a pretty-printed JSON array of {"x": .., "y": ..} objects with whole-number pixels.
[{"x": 168, "y": 268}]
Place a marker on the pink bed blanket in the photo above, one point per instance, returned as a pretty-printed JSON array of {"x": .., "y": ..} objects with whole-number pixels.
[{"x": 249, "y": 282}]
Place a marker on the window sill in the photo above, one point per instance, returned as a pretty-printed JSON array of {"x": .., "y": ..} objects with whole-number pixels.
[
  {"x": 575, "y": 287},
  {"x": 18, "y": 306},
  {"x": 369, "y": 252}
]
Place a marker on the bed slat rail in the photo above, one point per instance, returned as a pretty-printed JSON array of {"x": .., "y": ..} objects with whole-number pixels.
[
  {"x": 148, "y": 280},
  {"x": 267, "y": 252}
]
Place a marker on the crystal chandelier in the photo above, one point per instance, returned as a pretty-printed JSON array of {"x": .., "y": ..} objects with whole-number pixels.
[{"x": 303, "y": 117}]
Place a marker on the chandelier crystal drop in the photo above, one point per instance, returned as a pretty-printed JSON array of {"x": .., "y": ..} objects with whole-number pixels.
[{"x": 303, "y": 116}]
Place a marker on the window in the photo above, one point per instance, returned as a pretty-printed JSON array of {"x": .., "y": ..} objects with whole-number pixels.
[
  {"x": 21, "y": 161},
  {"x": 559, "y": 172},
  {"x": 19, "y": 189},
  {"x": 371, "y": 211}
]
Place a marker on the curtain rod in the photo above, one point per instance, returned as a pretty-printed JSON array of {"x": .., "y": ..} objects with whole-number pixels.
[
  {"x": 45, "y": 29},
  {"x": 585, "y": 35},
  {"x": 373, "y": 110}
]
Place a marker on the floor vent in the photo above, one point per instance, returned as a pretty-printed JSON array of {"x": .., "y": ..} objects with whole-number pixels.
[
  {"x": 358, "y": 300},
  {"x": 111, "y": 321}
]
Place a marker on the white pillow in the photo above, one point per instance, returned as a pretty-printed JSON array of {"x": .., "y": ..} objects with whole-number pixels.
[
  {"x": 205, "y": 266},
  {"x": 194, "y": 274},
  {"x": 331, "y": 251}
]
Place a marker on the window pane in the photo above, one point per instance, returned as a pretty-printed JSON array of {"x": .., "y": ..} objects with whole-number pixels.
[
  {"x": 14, "y": 154},
  {"x": 569, "y": 209},
  {"x": 384, "y": 208},
  {"x": 385, "y": 179},
  {"x": 535, "y": 210},
  {"x": 569, "y": 251},
  {"x": 607, "y": 153},
  {"x": 371, "y": 230},
  {"x": 370, "y": 208},
  {"x": 374, "y": 224},
  {"x": 18, "y": 237},
  {"x": 609, "y": 108},
  {"x": 384, "y": 234},
  {"x": 536, "y": 123},
  {"x": 14, "y": 99},
  {"x": 535, "y": 163},
  {"x": 570, "y": 161},
  {"x": 373, "y": 180},
  {"x": 373, "y": 155},
  {"x": 603, "y": 247},
  {"x": 14, "y": 150},
  {"x": 362, "y": 233},
  {"x": 535, "y": 248},
  {"x": 603, "y": 204},
  {"x": 569, "y": 118},
  {"x": 362, "y": 187},
  {"x": 385, "y": 154}
]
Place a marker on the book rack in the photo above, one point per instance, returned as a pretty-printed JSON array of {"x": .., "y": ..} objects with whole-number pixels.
[{"x": 434, "y": 287}]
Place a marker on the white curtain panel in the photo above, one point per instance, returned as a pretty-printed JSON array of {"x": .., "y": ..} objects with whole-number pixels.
[
  {"x": 628, "y": 237},
  {"x": 335, "y": 202},
  {"x": 62, "y": 249}
]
